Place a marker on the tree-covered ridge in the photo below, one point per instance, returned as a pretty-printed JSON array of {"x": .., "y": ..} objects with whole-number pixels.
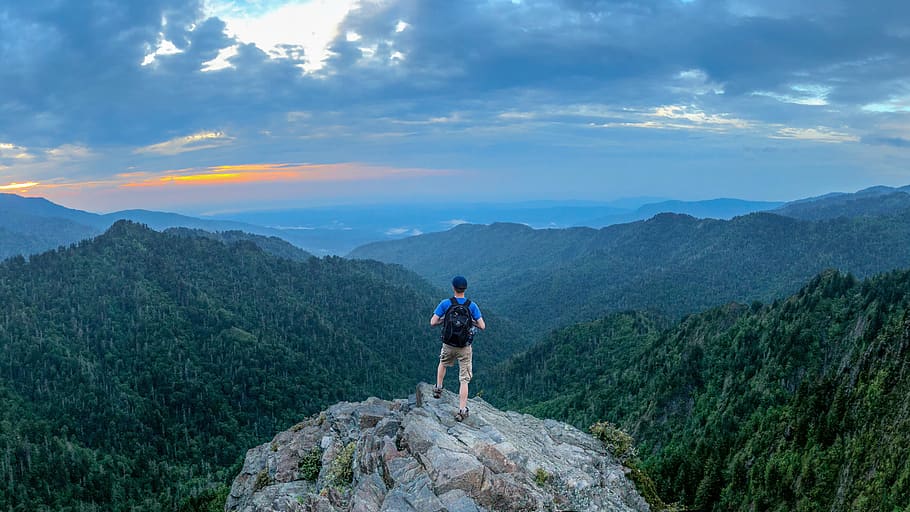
[
  {"x": 798, "y": 405},
  {"x": 270, "y": 244},
  {"x": 872, "y": 201},
  {"x": 671, "y": 264},
  {"x": 138, "y": 367}
]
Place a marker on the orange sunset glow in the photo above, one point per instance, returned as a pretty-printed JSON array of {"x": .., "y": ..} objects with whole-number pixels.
[
  {"x": 271, "y": 172},
  {"x": 19, "y": 186}
]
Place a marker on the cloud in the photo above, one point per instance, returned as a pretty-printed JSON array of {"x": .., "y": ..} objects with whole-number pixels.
[
  {"x": 301, "y": 32},
  {"x": 817, "y": 134},
  {"x": 267, "y": 173},
  {"x": 19, "y": 186},
  {"x": 473, "y": 84},
  {"x": 403, "y": 231},
  {"x": 195, "y": 142},
  {"x": 10, "y": 151},
  {"x": 679, "y": 117}
]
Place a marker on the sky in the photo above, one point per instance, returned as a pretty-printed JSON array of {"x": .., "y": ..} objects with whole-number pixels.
[{"x": 214, "y": 105}]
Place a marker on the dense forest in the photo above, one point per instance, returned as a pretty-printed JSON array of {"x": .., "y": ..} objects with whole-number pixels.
[
  {"x": 801, "y": 404},
  {"x": 137, "y": 368},
  {"x": 671, "y": 264}
]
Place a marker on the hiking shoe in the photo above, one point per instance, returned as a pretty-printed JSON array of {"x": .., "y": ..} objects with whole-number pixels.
[
  {"x": 461, "y": 415},
  {"x": 437, "y": 392}
]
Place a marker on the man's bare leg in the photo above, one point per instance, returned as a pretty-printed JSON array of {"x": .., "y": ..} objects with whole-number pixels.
[
  {"x": 440, "y": 375},
  {"x": 463, "y": 396}
]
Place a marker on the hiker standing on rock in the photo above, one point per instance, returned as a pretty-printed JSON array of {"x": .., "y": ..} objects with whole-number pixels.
[{"x": 458, "y": 317}]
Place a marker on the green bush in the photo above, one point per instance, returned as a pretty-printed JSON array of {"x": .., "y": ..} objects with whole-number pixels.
[
  {"x": 341, "y": 471},
  {"x": 311, "y": 464},
  {"x": 617, "y": 442},
  {"x": 541, "y": 477},
  {"x": 262, "y": 480}
]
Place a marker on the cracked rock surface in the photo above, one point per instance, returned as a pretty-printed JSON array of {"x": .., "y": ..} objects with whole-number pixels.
[{"x": 411, "y": 455}]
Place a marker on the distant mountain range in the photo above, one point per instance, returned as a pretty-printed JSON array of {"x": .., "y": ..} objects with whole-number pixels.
[
  {"x": 29, "y": 225},
  {"x": 871, "y": 201},
  {"x": 32, "y": 225}
]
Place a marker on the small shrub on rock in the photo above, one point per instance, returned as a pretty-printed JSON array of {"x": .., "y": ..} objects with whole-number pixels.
[
  {"x": 617, "y": 442},
  {"x": 541, "y": 477},
  {"x": 310, "y": 465},
  {"x": 341, "y": 471},
  {"x": 262, "y": 480}
]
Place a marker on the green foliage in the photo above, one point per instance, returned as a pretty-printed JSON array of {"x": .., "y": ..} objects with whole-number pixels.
[
  {"x": 138, "y": 367},
  {"x": 209, "y": 500},
  {"x": 541, "y": 477},
  {"x": 310, "y": 465},
  {"x": 617, "y": 442},
  {"x": 797, "y": 405},
  {"x": 341, "y": 470},
  {"x": 262, "y": 480}
]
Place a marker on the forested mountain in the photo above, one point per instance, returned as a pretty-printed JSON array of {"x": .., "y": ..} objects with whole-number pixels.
[
  {"x": 803, "y": 404},
  {"x": 29, "y": 225},
  {"x": 137, "y": 367},
  {"x": 722, "y": 208},
  {"x": 868, "y": 202},
  {"x": 671, "y": 264},
  {"x": 270, "y": 244}
]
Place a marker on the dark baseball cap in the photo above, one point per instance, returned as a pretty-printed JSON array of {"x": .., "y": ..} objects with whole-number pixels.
[{"x": 459, "y": 283}]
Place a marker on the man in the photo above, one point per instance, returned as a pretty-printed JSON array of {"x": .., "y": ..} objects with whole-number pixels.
[{"x": 450, "y": 352}]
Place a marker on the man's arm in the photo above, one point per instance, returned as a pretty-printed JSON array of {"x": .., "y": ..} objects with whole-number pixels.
[
  {"x": 479, "y": 323},
  {"x": 435, "y": 320}
]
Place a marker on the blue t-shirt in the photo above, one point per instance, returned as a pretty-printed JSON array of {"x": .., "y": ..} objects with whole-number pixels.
[{"x": 445, "y": 304}]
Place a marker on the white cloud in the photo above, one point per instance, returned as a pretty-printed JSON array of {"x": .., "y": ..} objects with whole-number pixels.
[
  {"x": 13, "y": 152},
  {"x": 403, "y": 231},
  {"x": 455, "y": 222},
  {"x": 679, "y": 117},
  {"x": 817, "y": 134},
  {"x": 814, "y": 95},
  {"x": 195, "y": 142},
  {"x": 311, "y": 25},
  {"x": 222, "y": 60},
  {"x": 69, "y": 152},
  {"x": 892, "y": 105},
  {"x": 695, "y": 81},
  {"x": 163, "y": 47}
]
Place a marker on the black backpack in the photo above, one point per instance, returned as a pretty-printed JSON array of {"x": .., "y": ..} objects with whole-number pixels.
[{"x": 457, "y": 323}]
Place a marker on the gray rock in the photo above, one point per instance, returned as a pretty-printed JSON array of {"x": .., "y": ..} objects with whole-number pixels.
[{"x": 411, "y": 455}]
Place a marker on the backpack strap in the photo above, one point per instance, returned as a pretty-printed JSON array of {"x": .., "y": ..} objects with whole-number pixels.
[{"x": 452, "y": 302}]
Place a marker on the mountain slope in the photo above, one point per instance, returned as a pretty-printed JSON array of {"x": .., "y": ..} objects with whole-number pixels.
[
  {"x": 270, "y": 244},
  {"x": 798, "y": 405},
  {"x": 671, "y": 264},
  {"x": 721, "y": 208},
  {"x": 868, "y": 202},
  {"x": 141, "y": 363}
]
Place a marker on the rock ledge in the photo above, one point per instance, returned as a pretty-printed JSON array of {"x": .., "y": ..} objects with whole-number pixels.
[{"x": 411, "y": 455}]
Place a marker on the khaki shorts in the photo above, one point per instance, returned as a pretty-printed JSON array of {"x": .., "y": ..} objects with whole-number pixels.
[{"x": 449, "y": 354}]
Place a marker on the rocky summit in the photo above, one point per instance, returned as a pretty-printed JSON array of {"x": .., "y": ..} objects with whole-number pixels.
[{"x": 411, "y": 455}]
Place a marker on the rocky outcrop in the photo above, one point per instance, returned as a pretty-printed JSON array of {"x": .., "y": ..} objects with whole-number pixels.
[{"x": 411, "y": 455}]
